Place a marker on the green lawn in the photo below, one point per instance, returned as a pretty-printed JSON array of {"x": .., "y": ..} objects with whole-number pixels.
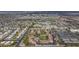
[
  {"x": 43, "y": 37},
  {"x": 26, "y": 40}
]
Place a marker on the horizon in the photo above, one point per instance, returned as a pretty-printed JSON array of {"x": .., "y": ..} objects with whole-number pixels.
[{"x": 59, "y": 13}]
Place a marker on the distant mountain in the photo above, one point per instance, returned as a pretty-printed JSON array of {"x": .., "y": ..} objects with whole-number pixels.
[{"x": 60, "y": 13}]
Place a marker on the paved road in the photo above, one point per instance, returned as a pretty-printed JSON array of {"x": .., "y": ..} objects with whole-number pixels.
[{"x": 21, "y": 37}]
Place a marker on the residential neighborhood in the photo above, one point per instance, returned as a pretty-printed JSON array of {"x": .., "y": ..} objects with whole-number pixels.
[{"x": 39, "y": 29}]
